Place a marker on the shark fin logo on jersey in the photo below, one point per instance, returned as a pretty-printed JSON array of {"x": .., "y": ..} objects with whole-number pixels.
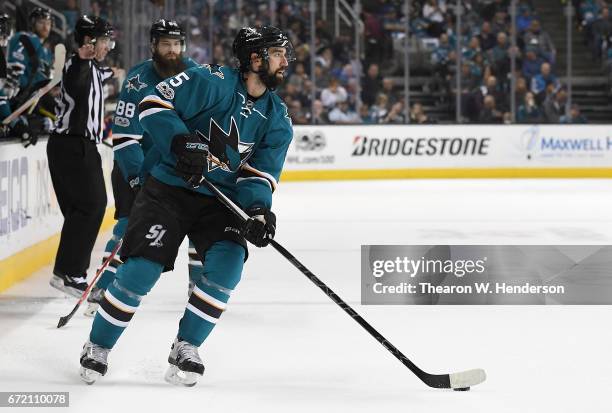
[
  {"x": 214, "y": 70},
  {"x": 226, "y": 150},
  {"x": 135, "y": 84},
  {"x": 165, "y": 90}
]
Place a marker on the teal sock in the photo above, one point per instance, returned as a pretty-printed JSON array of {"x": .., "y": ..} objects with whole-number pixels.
[
  {"x": 222, "y": 272},
  {"x": 134, "y": 280}
]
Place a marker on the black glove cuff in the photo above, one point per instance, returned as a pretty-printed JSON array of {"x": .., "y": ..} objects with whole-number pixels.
[
  {"x": 187, "y": 142},
  {"x": 177, "y": 145}
]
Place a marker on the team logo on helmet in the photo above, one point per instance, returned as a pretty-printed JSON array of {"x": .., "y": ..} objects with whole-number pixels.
[
  {"x": 251, "y": 34},
  {"x": 214, "y": 70}
]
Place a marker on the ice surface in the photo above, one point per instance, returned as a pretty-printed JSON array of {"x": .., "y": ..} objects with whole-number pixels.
[{"x": 283, "y": 346}]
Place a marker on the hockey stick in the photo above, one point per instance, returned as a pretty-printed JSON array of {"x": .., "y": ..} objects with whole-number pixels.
[
  {"x": 64, "y": 320},
  {"x": 458, "y": 381},
  {"x": 58, "y": 66}
]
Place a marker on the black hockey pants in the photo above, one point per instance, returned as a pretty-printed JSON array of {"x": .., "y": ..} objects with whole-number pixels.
[{"x": 76, "y": 172}]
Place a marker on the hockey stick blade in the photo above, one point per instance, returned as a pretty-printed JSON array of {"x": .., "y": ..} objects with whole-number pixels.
[
  {"x": 458, "y": 381},
  {"x": 58, "y": 66},
  {"x": 64, "y": 320},
  {"x": 467, "y": 378}
]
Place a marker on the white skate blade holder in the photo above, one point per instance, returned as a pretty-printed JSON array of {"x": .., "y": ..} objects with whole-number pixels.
[
  {"x": 89, "y": 376},
  {"x": 181, "y": 378}
]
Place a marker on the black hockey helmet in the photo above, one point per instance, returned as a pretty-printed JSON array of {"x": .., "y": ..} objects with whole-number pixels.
[
  {"x": 39, "y": 13},
  {"x": 93, "y": 27},
  {"x": 168, "y": 28},
  {"x": 259, "y": 40}
]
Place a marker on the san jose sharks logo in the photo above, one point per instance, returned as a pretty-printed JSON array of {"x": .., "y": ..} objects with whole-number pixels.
[
  {"x": 135, "y": 84},
  {"x": 226, "y": 150},
  {"x": 252, "y": 34}
]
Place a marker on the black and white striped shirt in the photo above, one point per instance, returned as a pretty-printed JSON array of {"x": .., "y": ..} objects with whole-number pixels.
[{"x": 80, "y": 106}]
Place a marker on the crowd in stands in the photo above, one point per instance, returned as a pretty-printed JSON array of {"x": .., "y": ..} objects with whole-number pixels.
[
  {"x": 346, "y": 89},
  {"x": 485, "y": 58},
  {"x": 368, "y": 89},
  {"x": 595, "y": 22}
]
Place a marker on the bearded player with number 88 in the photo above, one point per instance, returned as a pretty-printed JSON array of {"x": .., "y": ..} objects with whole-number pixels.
[{"x": 133, "y": 149}]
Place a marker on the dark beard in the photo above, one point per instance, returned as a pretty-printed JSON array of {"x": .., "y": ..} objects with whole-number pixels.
[
  {"x": 168, "y": 68},
  {"x": 271, "y": 81}
]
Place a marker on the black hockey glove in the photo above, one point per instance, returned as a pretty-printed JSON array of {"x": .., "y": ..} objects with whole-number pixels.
[
  {"x": 23, "y": 131},
  {"x": 259, "y": 230},
  {"x": 191, "y": 157},
  {"x": 42, "y": 125}
]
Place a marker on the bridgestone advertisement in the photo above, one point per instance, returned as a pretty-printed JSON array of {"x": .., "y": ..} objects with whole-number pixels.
[{"x": 473, "y": 146}]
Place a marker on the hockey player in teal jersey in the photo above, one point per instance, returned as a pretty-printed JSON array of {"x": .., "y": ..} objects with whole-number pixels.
[
  {"x": 28, "y": 50},
  {"x": 5, "y": 33},
  {"x": 9, "y": 86},
  {"x": 30, "y": 62},
  {"x": 225, "y": 124},
  {"x": 133, "y": 148}
]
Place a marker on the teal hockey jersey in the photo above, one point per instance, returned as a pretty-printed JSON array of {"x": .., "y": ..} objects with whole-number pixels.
[
  {"x": 131, "y": 146},
  {"x": 17, "y": 52},
  {"x": 247, "y": 139}
]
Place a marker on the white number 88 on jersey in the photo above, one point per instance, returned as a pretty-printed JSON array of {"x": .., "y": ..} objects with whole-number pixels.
[{"x": 124, "y": 109}]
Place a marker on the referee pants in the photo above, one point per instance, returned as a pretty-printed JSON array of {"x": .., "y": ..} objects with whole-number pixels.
[{"x": 76, "y": 173}]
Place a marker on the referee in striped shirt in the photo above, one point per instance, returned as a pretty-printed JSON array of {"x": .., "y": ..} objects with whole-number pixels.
[{"x": 74, "y": 161}]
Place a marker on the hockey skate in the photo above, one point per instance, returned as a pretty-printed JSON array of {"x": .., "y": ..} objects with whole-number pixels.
[
  {"x": 93, "y": 362},
  {"x": 93, "y": 301},
  {"x": 185, "y": 364},
  {"x": 75, "y": 286}
]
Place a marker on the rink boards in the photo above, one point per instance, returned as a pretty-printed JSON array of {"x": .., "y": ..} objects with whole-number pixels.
[{"x": 30, "y": 219}]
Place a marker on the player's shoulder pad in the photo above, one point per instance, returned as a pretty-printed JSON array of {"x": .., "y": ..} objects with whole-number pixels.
[
  {"x": 17, "y": 36},
  {"x": 146, "y": 70},
  {"x": 212, "y": 77},
  {"x": 140, "y": 66},
  {"x": 281, "y": 111},
  {"x": 36, "y": 42},
  {"x": 189, "y": 62},
  {"x": 140, "y": 77},
  {"x": 15, "y": 44},
  {"x": 220, "y": 75}
]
